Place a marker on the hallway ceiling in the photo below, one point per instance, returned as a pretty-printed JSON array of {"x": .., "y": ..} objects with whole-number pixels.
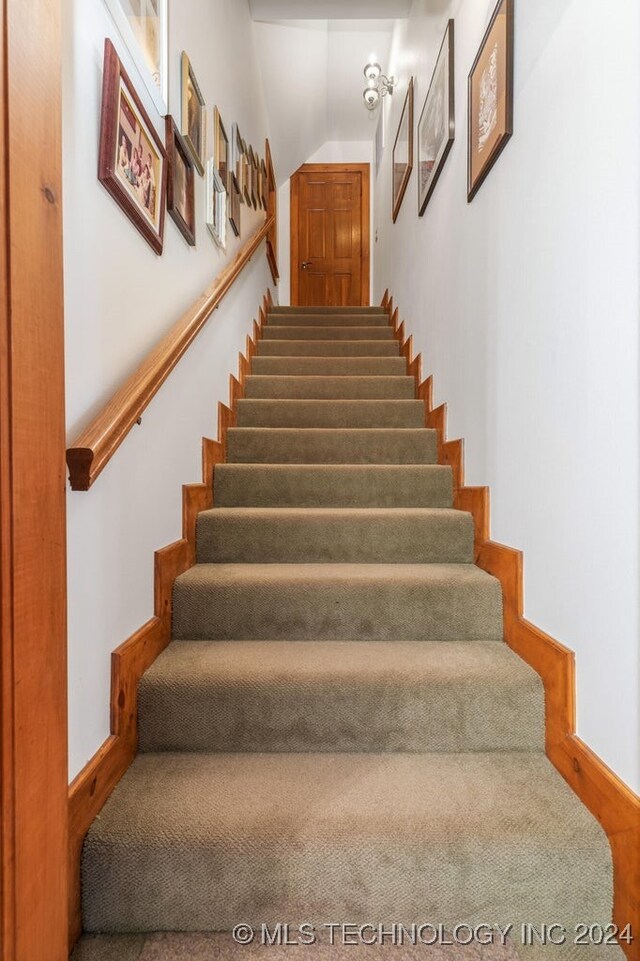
[{"x": 328, "y": 9}]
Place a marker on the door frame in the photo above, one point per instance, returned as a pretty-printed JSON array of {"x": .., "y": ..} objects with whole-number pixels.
[
  {"x": 33, "y": 689},
  {"x": 365, "y": 223}
]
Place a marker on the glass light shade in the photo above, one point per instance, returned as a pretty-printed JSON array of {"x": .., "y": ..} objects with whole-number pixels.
[
  {"x": 371, "y": 98},
  {"x": 372, "y": 71}
]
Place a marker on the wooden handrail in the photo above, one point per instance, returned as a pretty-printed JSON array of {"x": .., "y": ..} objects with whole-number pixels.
[{"x": 99, "y": 441}]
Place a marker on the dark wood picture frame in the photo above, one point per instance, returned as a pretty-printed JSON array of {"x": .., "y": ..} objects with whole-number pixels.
[
  {"x": 234, "y": 207},
  {"x": 189, "y": 77},
  {"x": 114, "y": 78},
  {"x": 447, "y": 47},
  {"x": 221, "y": 149},
  {"x": 398, "y": 190},
  {"x": 177, "y": 148},
  {"x": 253, "y": 181},
  {"x": 263, "y": 184},
  {"x": 474, "y": 183},
  {"x": 246, "y": 174}
]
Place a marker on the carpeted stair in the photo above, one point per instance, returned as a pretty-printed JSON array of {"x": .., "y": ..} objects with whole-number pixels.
[{"x": 338, "y": 731}]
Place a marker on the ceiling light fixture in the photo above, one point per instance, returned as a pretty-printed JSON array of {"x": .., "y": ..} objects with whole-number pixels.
[{"x": 378, "y": 85}]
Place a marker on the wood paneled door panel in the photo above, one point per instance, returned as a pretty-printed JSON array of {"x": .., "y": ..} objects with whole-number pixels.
[{"x": 330, "y": 235}]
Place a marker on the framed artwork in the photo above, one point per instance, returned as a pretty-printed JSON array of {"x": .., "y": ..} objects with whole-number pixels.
[
  {"x": 235, "y": 159},
  {"x": 490, "y": 94},
  {"x": 246, "y": 175},
  {"x": 234, "y": 209},
  {"x": 402, "y": 164},
  {"x": 180, "y": 183},
  {"x": 193, "y": 115},
  {"x": 220, "y": 148},
  {"x": 216, "y": 199},
  {"x": 263, "y": 184},
  {"x": 436, "y": 126},
  {"x": 132, "y": 162},
  {"x": 253, "y": 180},
  {"x": 144, "y": 28},
  {"x": 380, "y": 132}
]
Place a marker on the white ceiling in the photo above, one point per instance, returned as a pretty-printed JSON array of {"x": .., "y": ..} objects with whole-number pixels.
[{"x": 328, "y": 9}]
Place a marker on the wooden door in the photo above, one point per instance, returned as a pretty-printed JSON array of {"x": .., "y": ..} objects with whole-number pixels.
[
  {"x": 330, "y": 235},
  {"x": 33, "y": 696}
]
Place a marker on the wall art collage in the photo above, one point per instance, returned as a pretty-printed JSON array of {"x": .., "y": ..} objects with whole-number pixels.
[
  {"x": 490, "y": 113},
  {"x": 145, "y": 175}
]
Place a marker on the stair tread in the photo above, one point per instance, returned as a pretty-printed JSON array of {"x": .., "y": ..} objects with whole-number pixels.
[
  {"x": 328, "y": 348},
  {"x": 338, "y": 573},
  {"x": 220, "y": 836},
  {"x": 332, "y": 696},
  {"x": 372, "y": 445},
  {"x": 332, "y": 485},
  {"x": 327, "y": 332},
  {"x": 334, "y": 413}
]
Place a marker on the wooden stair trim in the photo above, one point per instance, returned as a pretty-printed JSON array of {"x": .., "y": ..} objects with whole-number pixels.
[
  {"x": 97, "y": 443},
  {"x": 607, "y": 797},
  {"x": 92, "y": 786}
]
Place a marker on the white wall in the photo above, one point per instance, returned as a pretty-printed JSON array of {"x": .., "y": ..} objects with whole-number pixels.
[
  {"x": 525, "y": 305},
  {"x": 331, "y": 152},
  {"x": 120, "y": 298}
]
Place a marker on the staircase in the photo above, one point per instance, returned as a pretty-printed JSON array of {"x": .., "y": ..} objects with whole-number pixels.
[{"x": 338, "y": 731}]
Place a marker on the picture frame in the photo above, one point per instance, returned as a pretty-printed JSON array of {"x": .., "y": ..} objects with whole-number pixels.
[
  {"x": 436, "y": 126},
  {"x": 402, "y": 163},
  {"x": 216, "y": 201},
  {"x": 380, "y": 140},
  {"x": 490, "y": 97},
  {"x": 221, "y": 148},
  {"x": 263, "y": 184},
  {"x": 234, "y": 210},
  {"x": 246, "y": 175},
  {"x": 253, "y": 169},
  {"x": 144, "y": 28},
  {"x": 180, "y": 182},
  {"x": 235, "y": 159},
  {"x": 193, "y": 120},
  {"x": 132, "y": 161}
]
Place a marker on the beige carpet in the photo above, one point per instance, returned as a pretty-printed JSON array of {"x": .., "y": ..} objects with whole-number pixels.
[{"x": 337, "y": 729}]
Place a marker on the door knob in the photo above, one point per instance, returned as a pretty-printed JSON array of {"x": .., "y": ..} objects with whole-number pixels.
[{"x": 305, "y": 264}]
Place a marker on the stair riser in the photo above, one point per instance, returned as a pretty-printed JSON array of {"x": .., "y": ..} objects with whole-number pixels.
[
  {"x": 330, "y": 388},
  {"x": 377, "y": 609},
  {"x": 404, "y": 707},
  {"x": 341, "y": 311},
  {"x": 269, "y": 446},
  {"x": 237, "y": 485},
  {"x": 329, "y": 367},
  {"x": 441, "y": 538},
  {"x": 327, "y": 333},
  {"x": 328, "y": 348},
  {"x": 327, "y": 320},
  {"x": 331, "y": 413}
]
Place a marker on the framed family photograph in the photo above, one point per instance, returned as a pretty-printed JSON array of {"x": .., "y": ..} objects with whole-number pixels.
[
  {"x": 220, "y": 148},
  {"x": 402, "y": 163},
  {"x": 193, "y": 115},
  {"x": 216, "y": 200},
  {"x": 490, "y": 92},
  {"x": 253, "y": 170},
  {"x": 180, "y": 183},
  {"x": 144, "y": 28},
  {"x": 132, "y": 162},
  {"x": 263, "y": 184},
  {"x": 436, "y": 126}
]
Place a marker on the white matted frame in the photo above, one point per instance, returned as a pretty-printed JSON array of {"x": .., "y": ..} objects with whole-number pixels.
[
  {"x": 216, "y": 199},
  {"x": 156, "y": 77}
]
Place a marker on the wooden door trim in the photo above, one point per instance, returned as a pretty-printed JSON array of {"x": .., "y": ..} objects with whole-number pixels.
[
  {"x": 365, "y": 223},
  {"x": 33, "y": 691}
]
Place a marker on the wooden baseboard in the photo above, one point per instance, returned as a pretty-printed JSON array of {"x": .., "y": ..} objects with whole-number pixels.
[
  {"x": 93, "y": 785},
  {"x": 615, "y": 806}
]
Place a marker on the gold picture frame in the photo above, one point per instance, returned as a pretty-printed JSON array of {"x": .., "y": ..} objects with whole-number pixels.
[{"x": 193, "y": 120}]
